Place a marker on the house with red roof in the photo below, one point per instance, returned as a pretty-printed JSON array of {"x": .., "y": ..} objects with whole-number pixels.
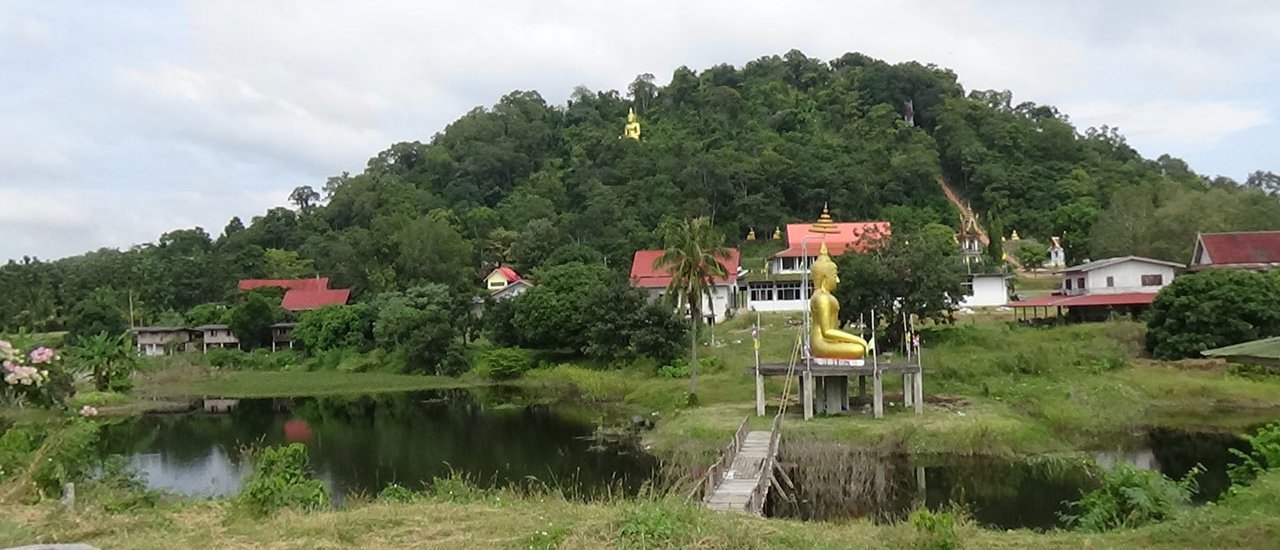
[
  {"x": 777, "y": 287},
  {"x": 1254, "y": 250},
  {"x": 724, "y": 290},
  {"x": 1095, "y": 290},
  {"x": 302, "y": 294}
]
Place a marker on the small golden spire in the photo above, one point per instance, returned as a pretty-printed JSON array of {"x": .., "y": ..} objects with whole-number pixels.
[
  {"x": 824, "y": 223},
  {"x": 751, "y": 235}
]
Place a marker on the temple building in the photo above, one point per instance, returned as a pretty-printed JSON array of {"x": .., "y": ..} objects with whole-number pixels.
[
  {"x": 778, "y": 286},
  {"x": 724, "y": 298}
]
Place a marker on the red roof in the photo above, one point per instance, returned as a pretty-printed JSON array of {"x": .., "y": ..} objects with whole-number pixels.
[
  {"x": 855, "y": 236},
  {"x": 1248, "y": 248},
  {"x": 507, "y": 273},
  {"x": 1086, "y": 300},
  {"x": 644, "y": 274},
  {"x": 316, "y": 283},
  {"x": 299, "y": 300}
]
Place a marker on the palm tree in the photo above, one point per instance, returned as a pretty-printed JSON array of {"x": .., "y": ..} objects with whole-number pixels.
[
  {"x": 107, "y": 357},
  {"x": 693, "y": 257}
]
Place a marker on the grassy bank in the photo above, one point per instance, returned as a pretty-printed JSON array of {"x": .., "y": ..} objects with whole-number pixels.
[
  {"x": 991, "y": 388},
  {"x": 247, "y": 384},
  {"x": 1250, "y": 519}
]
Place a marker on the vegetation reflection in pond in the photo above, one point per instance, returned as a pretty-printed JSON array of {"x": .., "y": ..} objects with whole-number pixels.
[{"x": 364, "y": 443}]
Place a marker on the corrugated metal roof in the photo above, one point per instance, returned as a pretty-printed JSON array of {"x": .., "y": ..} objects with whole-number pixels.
[{"x": 644, "y": 274}]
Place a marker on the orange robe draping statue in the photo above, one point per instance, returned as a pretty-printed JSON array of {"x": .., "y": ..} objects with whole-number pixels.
[{"x": 826, "y": 340}]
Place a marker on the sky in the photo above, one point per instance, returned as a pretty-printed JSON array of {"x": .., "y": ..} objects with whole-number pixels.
[{"x": 122, "y": 120}]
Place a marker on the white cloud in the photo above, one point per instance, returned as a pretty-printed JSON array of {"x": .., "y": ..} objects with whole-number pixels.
[{"x": 1171, "y": 123}]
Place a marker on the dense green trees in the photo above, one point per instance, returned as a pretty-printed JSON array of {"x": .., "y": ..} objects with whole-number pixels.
[
  {"x": 1212, "y": 309},
  {"x": 532, "y": 185},
  {"x": 336, "y": 327}
]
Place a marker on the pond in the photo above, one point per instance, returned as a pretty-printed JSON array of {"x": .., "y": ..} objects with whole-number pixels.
[
  {"x": 835, "y": 482},
  {"x": 361, "y": 444}
]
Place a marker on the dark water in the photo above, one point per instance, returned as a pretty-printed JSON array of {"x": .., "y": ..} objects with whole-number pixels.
[
  {"x": 835, "y": 482},
  {"x": 364, "y": 443}
]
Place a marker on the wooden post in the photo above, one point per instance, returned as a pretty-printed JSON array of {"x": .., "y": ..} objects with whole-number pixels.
[
  {"x": 906, "y": 389},
  {"x": 862, "y": 389},
  {"x": 807, "y": 383},
  {"x": 877, "y": 394}
]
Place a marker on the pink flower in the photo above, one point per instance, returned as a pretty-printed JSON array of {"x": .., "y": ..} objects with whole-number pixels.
[
  {"x": 41, "y": 355},
  {"x": 9, "y": 366},
  {"x": 88, "y": 411}
]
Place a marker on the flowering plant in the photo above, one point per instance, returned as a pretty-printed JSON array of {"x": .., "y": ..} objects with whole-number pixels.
[{"x": 27, "y": 376}]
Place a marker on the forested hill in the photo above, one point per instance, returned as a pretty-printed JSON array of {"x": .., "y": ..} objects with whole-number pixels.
[{"x": 530, "y": 184}]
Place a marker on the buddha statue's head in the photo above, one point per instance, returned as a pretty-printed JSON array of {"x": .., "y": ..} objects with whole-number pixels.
[
  {"x": 631, "y": 115},
  {"x": 824, "y": 270}
]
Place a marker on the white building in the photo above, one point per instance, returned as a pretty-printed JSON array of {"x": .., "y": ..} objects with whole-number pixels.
[
  {"x": 724, "y": 290},
  {"x": 1057, "y": 256},
  {"x": 502, "y": 283},
  {"x": 780, "y": 286},
  {"x": 1097, "y": 290},
  {"x": 990, "y": 290}
]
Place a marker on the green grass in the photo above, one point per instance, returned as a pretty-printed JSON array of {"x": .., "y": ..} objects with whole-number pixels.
[
  {"x": 248, "y": 384},
  {"x": 507, "y": 519}
]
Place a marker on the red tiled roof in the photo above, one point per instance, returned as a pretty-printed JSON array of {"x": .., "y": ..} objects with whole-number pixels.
[
  {"x": 507, "y": 273},
  {"x": 1086, "y": 300},
  {"x": 317, "y": 283},
  {"x": 644, "y": 274},
  {"x": 1257, "y": 247},
  {"x": 299, "y": 300},
  {"x": 855, "y": 236}
]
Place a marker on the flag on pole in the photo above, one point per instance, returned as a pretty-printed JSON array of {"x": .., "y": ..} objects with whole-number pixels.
[
  {"x": 871, "y": 344},
  {"x": 755, "y": 337}
]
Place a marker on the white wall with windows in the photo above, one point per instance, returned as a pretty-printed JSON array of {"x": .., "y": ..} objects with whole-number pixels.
[
  {"x": 777, "y": 296},
  {"x": 1127, "y": 276},
  {"x": 779, "y": 266},
  {"x": 721, "y": 303}
]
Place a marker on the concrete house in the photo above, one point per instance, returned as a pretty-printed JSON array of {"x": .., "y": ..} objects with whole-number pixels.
[
  {"x": 724, "y": 290},
  {"x": 216, "y": 336},
  {"x": 155, "y": 341},
  {"x": 1255, "y": 250},
  {"x": 1096, "y": 290},
  {"x": 985, "y": 290},
  {"x": 282, "y": 336}
]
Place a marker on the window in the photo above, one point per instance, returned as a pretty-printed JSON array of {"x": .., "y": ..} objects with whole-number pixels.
[
  {"x": 1152, "y": 280},
  {"x": 789, "y": 291},
  {"x": 1111, "y": 281},
  {"x": 968, "y": 287},
  {"x": 497, "y": 284},
  {"x": 762, "y": 292},
  {"x": 1068, "y": 283},
  {"x": 1080, "y": 283}
]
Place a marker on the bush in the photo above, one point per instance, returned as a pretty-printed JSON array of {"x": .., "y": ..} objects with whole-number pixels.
[
  {"x": 1212, "y": 309},
  {"x": 67, "y": 456},
  {"x": 506, "y": 363},
  {"x": 281, "y": 479},
  {"x": 1132, "y": 497},
  {"x": 397, "y": 493},
  {"x": 934, "y": 531},
  {"x": 457, "y": 360},
  {"x": 16, "y": 446},
  {"x": 1265, "y": 454},
  {"x": 657, "y": 523},
  {"x": 455, "y": 488}
]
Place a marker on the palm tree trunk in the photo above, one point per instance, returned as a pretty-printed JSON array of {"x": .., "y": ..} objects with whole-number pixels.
[{"x": 694, "y": 316}]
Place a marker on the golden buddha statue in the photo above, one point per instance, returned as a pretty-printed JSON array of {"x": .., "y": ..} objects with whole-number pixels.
[
  {"x": 826, "y": 340},
  {"x": 632, "y": 129}
]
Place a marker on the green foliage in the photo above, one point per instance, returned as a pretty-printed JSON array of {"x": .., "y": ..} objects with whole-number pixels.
[
  {"x": 1212, "y": 309},
  {"x": 505, "y": 363},
  {"x": 678, "y": 368},
  {"x": 16, "y": 446},
  {"x": 109, "y": 358},
  {"x": 208, "y": 314},
  {"x": 69, "y": 455},
  {"x": 454, "y": 487},
  {"x": 281, "y": 478},
  {"x": 394, "y": 492},
  {"x": 336, "y": 327},
  {"x": 1032, "y": 255},
  {"x": 120, "y": 488},
  {"x": 251, "y": 319},
  {"x": 1132, "y": 497},
  {"x": 934, "y": 531},
  {"x": 100, "y": 312},
  {"x": 1264, "y": 454},
  {"x": 918, "y": 274},
  {"x": 656, "y": 523},
  {"x": 422, "y": 321}
]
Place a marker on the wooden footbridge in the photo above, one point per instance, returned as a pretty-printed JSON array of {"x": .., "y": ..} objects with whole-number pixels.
[{"x": 740, "y": 478}]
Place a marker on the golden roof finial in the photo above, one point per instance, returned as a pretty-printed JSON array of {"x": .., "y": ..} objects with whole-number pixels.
[{"x": 824, "y": 223}]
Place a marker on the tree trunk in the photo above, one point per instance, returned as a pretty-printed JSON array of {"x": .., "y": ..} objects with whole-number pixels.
[{"x": 695, "y": 316}]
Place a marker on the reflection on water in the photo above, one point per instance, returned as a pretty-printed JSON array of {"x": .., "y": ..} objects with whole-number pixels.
[
  {"x": 835, "y": 482},
  {"x": 364, "y": 443}
]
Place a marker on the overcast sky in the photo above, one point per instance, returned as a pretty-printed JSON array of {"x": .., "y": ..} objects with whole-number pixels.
[{"x": 122, "y": 120}]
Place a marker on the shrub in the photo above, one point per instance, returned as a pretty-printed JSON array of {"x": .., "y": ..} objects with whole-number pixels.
[
  {"x": 16, "y": 446},
  {"x": 506, "y": 363},
  {"x": 397, "y": 493},
  {"x": 1211, "y": 309},
  {"x": 656, "y": 523},
  {"x": 457, "y": 360},
  {"x": 934, "y": 531},
  {"x": 1132, "y": 497},
  {"x": 67, "y": 456},
  {"x": 678, "y": 368},
  {"x": 1265, "y": 454},
  {"x": 455, "y": 488},
  {"x": 281, "y": 479}
]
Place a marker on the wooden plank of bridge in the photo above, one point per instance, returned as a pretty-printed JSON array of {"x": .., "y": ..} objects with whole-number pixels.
[{"x": 734, "y": 493}]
